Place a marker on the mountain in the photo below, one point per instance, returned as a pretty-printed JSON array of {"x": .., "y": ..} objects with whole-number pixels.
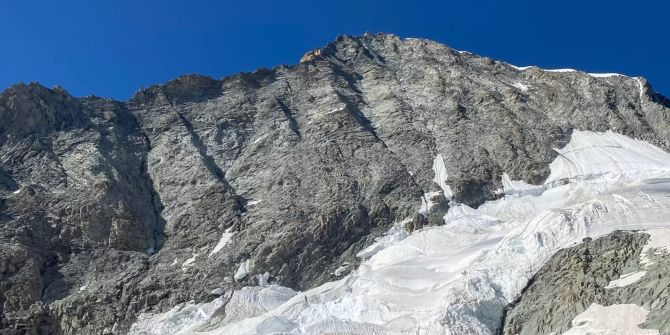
[{"x": 354, "y": 177}]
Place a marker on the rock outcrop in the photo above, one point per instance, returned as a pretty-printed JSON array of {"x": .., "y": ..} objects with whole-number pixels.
[
  {"x": 590, "y": 273},
  {"x": 109, "y": 209}
]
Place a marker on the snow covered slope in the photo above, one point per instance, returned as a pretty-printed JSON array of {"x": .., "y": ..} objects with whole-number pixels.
[
  {"x": 611, "y": 320},
  {"x": 457, "y": 278}
]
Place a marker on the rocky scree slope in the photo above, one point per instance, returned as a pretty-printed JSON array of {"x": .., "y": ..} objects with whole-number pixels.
[{"x": 109, "y": 209}]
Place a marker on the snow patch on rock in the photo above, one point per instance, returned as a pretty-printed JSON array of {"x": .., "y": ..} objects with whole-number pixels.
[
  {"x": 521, "y": 68},
  {"x": 611, "y": 320},
  {"x": 441, "y": 176},
  {"x": 640, "y": 86},
  {"x": 592, "y": 74},
  {"x": 260, "y": 138},
  {"x": 560, "y": 70},
  {"x": 605, "y": 75},
  {"x": 626, "y": 279},
  {"x": 338, "y": 109},
  {"x": 189, "y": 262},
  {"x": 225, "y": 239},
  {"x": 659, "y": 241},
  {"x": 521, "y": 86}
]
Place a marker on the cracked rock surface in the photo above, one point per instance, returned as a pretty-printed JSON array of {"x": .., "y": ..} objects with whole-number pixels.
[{"x": 109, "y": 209}]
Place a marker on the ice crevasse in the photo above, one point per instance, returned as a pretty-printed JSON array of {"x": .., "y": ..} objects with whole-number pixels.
[{"x": 458, "y": 278}]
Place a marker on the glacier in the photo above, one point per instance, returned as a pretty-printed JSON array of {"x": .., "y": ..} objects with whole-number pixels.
[{"x": 458, "y": 278}]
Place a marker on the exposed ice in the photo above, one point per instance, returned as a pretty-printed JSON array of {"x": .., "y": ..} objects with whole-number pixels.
[
  {"x": 611, "y": 320},
  {"x": 253, "y": 202},
  {"x": 243, "y": 270},
  {"x": 626, "y": 279}
]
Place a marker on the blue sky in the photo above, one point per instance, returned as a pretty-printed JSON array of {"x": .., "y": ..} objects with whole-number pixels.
[{"x": 112, "y": 48}]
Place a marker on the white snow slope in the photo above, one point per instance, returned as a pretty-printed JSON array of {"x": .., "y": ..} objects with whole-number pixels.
[
  {"x": 611, "y": 320},
  {"x": 457, "y": 278}
]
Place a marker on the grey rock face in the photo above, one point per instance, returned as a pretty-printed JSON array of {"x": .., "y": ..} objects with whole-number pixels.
[
  {"x": 576, "y": 277},
  {"x": 109, "y": 209},
  {"x": 76, "y": 196}
]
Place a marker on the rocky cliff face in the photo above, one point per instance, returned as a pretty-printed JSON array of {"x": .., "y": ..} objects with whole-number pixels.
[
  {"x": 594, "y": 272},
  {"x": 109, "y": 209}
]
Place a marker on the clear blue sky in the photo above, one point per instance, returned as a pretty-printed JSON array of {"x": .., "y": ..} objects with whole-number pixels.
[{"x": 112, "y": 48}]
